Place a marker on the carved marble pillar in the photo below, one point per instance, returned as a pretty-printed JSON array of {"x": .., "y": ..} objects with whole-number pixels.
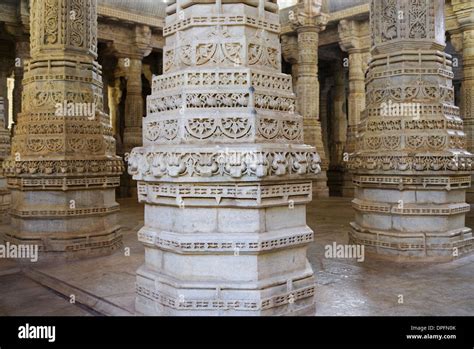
[
  {"x": 223, "y": 173},
  {"x": 130, "y": 67},
  {"x": 308, "y": 22},
  {"x": 134, "y": 110},
  {"x": 63, "y": 169},
  {"x": 132, "y": 136},
  {"x": 411, "y": 169},
  {"x": 355, "y": 39},
  {"x": 464, "y": 17},
  {"x": 323, "y": 114},
  {"x": 114, "y": 97},
  {"x": 339, "y": 138}
]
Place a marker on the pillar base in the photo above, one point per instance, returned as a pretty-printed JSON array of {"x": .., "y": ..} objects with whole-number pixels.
[
  {"x": 255, "y": 265},
  {"x": 413, "y": 247},
  {"x": 65, "y": 226},
  {"x": 162, "y": 295},
  {"x": 54, "y": 249}
]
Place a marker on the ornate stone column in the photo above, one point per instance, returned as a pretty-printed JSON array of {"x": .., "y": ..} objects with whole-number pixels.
[
  {"x": 63, "y": 169},
  {"x": 132, "y": 136},
  {"x": 131, "y": 64},
  {"x": 308, "y": 22},
  {"x": 355, "y": 39},
  {"x": 323, "y": 114},
  {"x": 223, "y": 173},
  {"x": 340, "y": 116},
  {"x": 464, "y": 17},
  {"x": 115, "y": 97},
  {"x": 411, "y": 169}
]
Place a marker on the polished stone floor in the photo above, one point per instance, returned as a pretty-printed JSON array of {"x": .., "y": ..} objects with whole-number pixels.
[{"x": 105, "y": 285}]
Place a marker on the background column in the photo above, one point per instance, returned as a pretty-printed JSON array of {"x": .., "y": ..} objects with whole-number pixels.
[
  {"x": 355, "y": 39},
  {"x": 308, "y": 22}
]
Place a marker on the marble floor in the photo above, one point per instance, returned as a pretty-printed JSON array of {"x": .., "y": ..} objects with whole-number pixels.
[{"x": 105, "y": 285}]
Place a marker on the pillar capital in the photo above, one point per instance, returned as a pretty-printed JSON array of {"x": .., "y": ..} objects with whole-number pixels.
[
  {"x": 307, "y": 16},
  {"x": 23, "y": 14},
  {"x": 289, "y": 48},
  {"x": 142, "y": 40},
  {"x": 354, "y": 35},
  {"x": 457, "y": 41},
  {"x": 137, "y": 47},
  {"x": 464, "y": 12}
]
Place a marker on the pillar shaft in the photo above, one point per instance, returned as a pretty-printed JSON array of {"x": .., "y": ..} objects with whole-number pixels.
[
  {"x": 114, "y": 98},
  {"x": 22, "y": 54},
  {"x": 467, "y": 92},
  {"x": 5, "y": 196},
  {"x": 340, "y": 116},
  {"x": 337, "y": 172},
  {"x": 294, "y": 75},
  {"x": 133, "y": 105},
  {"x": 356, "y": 98},
  {"x": 467, "y": 88},
  {"x": 464, "y": 12},
  {"x": 6, "y": 67}
]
